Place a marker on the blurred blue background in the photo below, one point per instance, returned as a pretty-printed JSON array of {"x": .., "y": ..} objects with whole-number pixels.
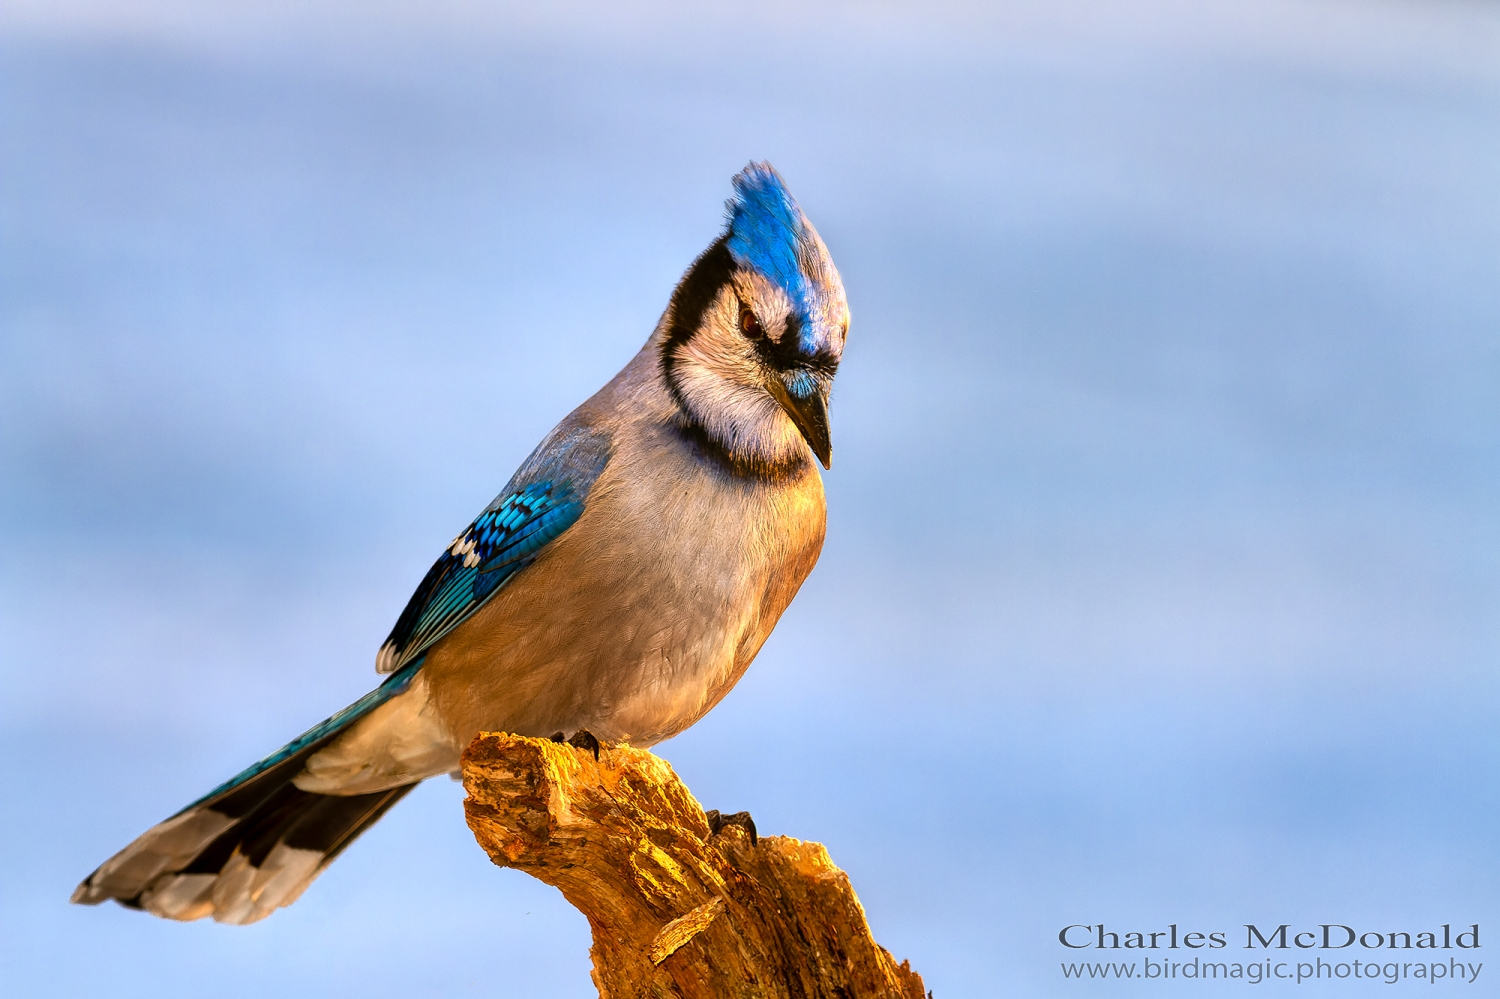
[{"x": 1182, "y": 318}]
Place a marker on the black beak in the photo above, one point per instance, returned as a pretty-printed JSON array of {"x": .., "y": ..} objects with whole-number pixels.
[{"x": 810, "y": 414}]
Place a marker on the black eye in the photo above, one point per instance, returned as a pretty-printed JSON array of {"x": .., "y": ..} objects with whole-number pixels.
[{"x": 749, "y": 325}]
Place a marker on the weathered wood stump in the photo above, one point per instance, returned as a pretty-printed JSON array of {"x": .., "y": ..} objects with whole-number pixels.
[{"x": 675, "y": 909}]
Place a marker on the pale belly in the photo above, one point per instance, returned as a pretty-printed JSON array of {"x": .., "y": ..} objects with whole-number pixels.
[{"x": 631, "y": 625}]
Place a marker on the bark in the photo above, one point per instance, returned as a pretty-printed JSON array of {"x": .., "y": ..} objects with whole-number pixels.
[{"x": 675, "y": 909}]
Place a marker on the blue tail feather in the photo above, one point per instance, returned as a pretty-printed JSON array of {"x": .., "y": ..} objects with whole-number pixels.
[
  {"x": 252, "y": 844},
  {"x": 320, "y": 733}
]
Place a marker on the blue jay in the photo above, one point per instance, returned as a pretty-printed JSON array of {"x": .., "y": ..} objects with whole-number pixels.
[{"x": 615, "y": 590}]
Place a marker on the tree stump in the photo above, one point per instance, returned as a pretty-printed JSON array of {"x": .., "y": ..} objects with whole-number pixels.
[{"x": 675, "y": 909}]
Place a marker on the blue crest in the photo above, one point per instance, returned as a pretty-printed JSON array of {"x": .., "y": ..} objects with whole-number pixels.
[
  {"x": 769, "y": 232},
  {"x": 766, "y": 228}
]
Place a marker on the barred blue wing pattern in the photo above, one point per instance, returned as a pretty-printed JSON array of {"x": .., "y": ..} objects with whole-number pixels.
[{"x": 500, "y": 542}]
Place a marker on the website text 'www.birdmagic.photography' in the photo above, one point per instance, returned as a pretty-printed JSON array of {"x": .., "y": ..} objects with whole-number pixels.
[
  {"x": 1386, "y": 959},
  {"x": 1261, "y": 972}
]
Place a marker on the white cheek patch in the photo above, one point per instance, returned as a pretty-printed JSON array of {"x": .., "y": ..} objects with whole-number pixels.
[
  {"x": 722, "y": 385},
  {"x": 719, "y": 348}
]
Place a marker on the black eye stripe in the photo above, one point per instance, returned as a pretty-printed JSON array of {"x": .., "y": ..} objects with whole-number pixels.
[
  {"x": 786, "y": 353},
  {"x": 793, "y": 331}
]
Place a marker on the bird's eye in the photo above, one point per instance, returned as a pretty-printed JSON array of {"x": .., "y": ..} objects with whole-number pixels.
[{"x": 749, "y": 325}]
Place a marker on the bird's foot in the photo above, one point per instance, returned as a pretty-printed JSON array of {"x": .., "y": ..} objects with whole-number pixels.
[
  {"x": 717, "y": 822},
  {"x": 584, "y": 739}
]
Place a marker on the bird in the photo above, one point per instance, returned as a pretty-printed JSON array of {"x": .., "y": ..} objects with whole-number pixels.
[{"x": 613, "y": 592}]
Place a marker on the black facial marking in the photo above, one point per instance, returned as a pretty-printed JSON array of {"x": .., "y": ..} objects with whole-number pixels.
[
  {"x": 738, "y": 467},
  {"x": 695, "y": 293},
  {"x": 786, "y": 354}
]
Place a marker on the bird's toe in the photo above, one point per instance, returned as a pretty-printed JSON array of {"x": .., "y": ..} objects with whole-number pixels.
[
  {"x": 717, "y": 821},
  {"x": 584, "y": 739}
]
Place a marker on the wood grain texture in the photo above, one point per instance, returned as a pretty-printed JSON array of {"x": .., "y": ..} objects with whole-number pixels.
[{"x": 675, "y": 910}]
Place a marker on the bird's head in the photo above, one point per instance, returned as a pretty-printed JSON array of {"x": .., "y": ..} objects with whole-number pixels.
[{"x": 755, "y": 331}]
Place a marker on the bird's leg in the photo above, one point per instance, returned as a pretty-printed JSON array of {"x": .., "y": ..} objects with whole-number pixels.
[
  {"x": 717, "y": 822},
  {"x": 584, "y": 739}
]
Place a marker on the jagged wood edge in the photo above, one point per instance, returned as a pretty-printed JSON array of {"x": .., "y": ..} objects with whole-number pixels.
[{"x": 675, "y": 910}]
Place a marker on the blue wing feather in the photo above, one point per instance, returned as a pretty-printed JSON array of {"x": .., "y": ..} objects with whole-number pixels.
[
  {"x": 502, "y": 540},
  {"x": 543, "y": 500}
]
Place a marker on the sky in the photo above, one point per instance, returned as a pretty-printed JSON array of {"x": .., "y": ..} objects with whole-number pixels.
[{"x": 1164, "y": 519}]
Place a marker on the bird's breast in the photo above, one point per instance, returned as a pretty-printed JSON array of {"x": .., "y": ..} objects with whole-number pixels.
[{"x": 641, "y": 616}]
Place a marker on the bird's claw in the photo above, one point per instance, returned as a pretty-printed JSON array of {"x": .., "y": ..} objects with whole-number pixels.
[
  {"x": 584, "y": 739},
  {"x": 716, "y": 822}
]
